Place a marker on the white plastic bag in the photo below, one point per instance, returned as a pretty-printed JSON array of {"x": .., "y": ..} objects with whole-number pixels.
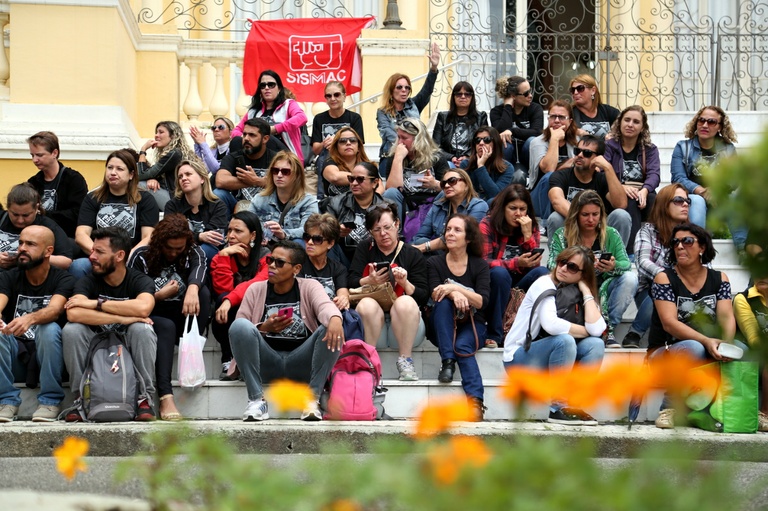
[{"x": 191, "y": 363}]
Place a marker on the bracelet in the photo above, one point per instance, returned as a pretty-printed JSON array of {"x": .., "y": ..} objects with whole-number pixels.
[
  {"x": 588, "y": 298},
  {"x": 427, "y": 246}
]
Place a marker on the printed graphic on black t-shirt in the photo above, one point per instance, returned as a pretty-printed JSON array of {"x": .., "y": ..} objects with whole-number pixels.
[
  {"x": 118, "y": 215},
  {"x": 48, "y": 200},
  {"x": 511, "y": 251},
  {"x": 572, "y": 191},
  {"x": 250, "y": 192},
  {"x": 295, "y": 331},
  {"x": 412, "y": 183},
  {"x": 330, "y": 129},
  {"x": 196, "y": 226},
  {"x": 596, "y": 128},
  {"x": 359, "y": 233},
  {"x": 460, "y": 138},
  {"x": 632, "y": 171},
  {"x": 687, "y": 308},
  {"x": 328, "y": 286},
  {"x": 27, "y": 305},
  {"x": 8, "y": 242},
  {"x": 166, "y": 275}
]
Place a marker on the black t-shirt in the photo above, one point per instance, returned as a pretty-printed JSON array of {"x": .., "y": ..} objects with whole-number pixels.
[
  {"x": 115, "y": 211},
  {"x": 48, "y": 197},
  {"x": 477, "y": 276},
  {"x": 296, "y": 332},
  {"x": 260, "y": 166},
  {"x": 567, "y": 181},
  {"x": 94, "y": 287},
  {"x": 562, "y": 155},
  {"x": 600, "y": 124},
  {"x": 632, "y": 170},
  {"x": 330, "y": 188},
  {"x": 25, "y": 298},
  {"x": 333, "y": 276},
  {"x": 324, "y": 125},
  {"x": 9, "y": 235}
]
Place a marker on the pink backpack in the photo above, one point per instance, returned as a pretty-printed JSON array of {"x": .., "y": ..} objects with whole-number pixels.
[{"x": 354, "y": 390}]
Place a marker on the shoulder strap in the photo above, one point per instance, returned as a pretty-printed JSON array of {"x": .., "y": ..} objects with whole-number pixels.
[
  {"x": 400, "y": 246},
  {"x": 686, "y": 154},
  {"x": 642, "y": 167},
  {"x": 534, "y": 307}
]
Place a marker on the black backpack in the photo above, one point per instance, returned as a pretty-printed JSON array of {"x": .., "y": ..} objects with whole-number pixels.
[
  {"x": 568, "y": 301},
  {"x": 109, "y": 387}
]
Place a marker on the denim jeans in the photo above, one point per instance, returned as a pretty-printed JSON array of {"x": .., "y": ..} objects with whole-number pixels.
[
  {"x": 621, "y": 291},
  {"x": 80, "y": 268},
  {"x": 697, "y": 212},
  {"x": 311, "y": 362},
  {"x": 49, "y": 357},
  {"x": 210, "y": 251},
  {"x": 540, "y": 198},
  {"x": 227, "y": 197},
  {"x": 511, "y": 155},
  {"x": 618, "y": 219},
  {"x": 502, "y": 281},
  {"x": 395, "y": 196},
  {"x": 644, "y": 305},
  {"x": 560, "y": 352},
  {"x": 466, "y": 345}
]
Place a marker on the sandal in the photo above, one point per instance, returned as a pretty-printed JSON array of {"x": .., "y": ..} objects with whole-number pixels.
[
  {"x": 491, "y": 344},
  {"x": 169, "y": 416}
]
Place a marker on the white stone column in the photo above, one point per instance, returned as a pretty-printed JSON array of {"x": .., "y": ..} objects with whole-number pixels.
[
  {"x": 193, "y": 105},
  {"x": 219, "y": 106},
  {"x": 5, "y": 67},
  {"x": 243, "y": 100}
]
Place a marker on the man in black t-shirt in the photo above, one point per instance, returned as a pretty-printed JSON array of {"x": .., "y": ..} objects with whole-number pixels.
[
  {"x": 590, "y": 171},
  {"x": 244, "y": 171},
  {"x": 113, "y": 298},
  {"x": 32, "y": 298}
]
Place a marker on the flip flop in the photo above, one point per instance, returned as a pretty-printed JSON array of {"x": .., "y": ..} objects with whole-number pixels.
[{"x": 490, "y": 343}]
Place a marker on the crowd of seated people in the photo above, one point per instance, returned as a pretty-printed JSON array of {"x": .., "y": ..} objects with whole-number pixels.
[{"x": 273, "y": 275}]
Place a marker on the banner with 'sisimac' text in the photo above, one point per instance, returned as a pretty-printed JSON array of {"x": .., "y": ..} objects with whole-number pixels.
[{"x": 307, "y": 53}]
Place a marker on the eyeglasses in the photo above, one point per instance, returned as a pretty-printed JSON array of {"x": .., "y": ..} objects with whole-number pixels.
[
  {"x": 359, "y": 179},
  {"x": 570, "y": 267},
  {"x": 556, "y": 117},
  {"x": 687, "y": 241},
  {"x": 276, "y": 170},
  {"x": 587, "y": 152},
  {"x": 403, "y": 87},
  {"x": 267, "y": 85},
  {"x": 348, "y": 140},
  {"x": 463, "y": 94},
  {"x": 315, "y": 238},
  {"x": 526, "y": 93},
  {"x": 710, "y": 122},
  {"x": 383, "y": 228},
  {"x": 578, "y": 88},
  {"x": 334, "y": 95},
  {"x": 219, "y": 127},
  {"x": 487, "y": 139},
  {"x": 679, "y": 201},
  {"x": 279, "y": 263},
  {"x": 451, "y": 181}
]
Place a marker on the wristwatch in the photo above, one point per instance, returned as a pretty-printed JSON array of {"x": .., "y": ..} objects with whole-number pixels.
[
  {"x": 144, "y": 153},
  {"x": 99, "y": 303}
]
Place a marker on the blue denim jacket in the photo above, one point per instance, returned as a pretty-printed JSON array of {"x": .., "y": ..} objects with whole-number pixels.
[
  {"x": 683, "y": 164},
  {"x": 265, "y": 206},
  {"x": 434, "y": 224}
]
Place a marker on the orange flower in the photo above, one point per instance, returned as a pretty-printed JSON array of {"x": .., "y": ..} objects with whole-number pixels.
[
  {"x": 440, "y": 414},
  {"x": 343, "y": 505},
  {"x": 69, "y": 456},
  {"x": 527, "y": 383},
  {"x": 448, "y": 459},
  {"x": 289, "y": 395}
]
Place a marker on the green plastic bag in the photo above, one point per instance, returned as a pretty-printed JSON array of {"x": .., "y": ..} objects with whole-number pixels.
[{"x": 735, "y": 405}]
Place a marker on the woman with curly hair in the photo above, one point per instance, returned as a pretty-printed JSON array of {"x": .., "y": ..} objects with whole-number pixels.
[
  {"x": 346, "y": 151},
  {"x": 590, "y": 115},
  {"x": 454, "y": 127},
  {"x": 636, "y": 162},
  {"x": 170, "y": 148},
  {"x": 709, "y": 136},
  {"x": 178, "y": 268},
  {"x": 518, "y": 119},
  {"x": 397, "y": 104}
]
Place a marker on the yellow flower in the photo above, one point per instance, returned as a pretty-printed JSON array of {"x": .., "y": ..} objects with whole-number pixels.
[
  {"x": 440, "y": 414},
  {"x": 289, "y": 395},
  {"x": 343, "y": 505},
  {"x": 448, "y": 459},
  {"x": 69, "y": 456}
]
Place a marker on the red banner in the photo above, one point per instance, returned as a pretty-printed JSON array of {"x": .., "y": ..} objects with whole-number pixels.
[{"x": 307, "y": 53}]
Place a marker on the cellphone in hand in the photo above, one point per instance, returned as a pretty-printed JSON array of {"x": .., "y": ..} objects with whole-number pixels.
[
  {"x": 350, "y": 225},
  {"x": 12, "y": 253},
  {"x": 240, "y": 161},
  {"x": 537, "y": 251},
  {"x": 606, "y": 256},
  {"x": 286, "y": 312},
  {"x": 382, "y": 265}
]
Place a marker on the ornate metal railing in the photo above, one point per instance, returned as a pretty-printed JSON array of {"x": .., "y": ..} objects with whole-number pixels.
[{"x": 664, "y": 54}]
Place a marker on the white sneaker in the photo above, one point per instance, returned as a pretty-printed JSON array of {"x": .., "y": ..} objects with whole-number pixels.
[
  {"x": 406, "y": 369},
  {"x": 256, "y": 411},
  {"x": 8, "y": 413},
  {"x": 666, "y": 419},
  {"x": 762, "y": 422},
  {"x": 46, "y": 413},
  {"x": 312, "y": 412}
]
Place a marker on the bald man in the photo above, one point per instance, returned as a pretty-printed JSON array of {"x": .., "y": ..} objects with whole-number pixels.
[{"x": 32, "y": 298}]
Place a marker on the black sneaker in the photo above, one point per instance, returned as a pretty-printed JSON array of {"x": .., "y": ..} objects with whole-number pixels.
[
  {"x": 631, "y": 340},
  {"x": 571, "y": 417},
  {"x": 145, "y": 412}
]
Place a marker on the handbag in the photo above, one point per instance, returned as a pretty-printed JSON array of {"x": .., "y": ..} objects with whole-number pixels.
[
  {"x": 191, "y": 363},
  {"x": 516, "y": 297},
  {"x": 384, "y": 294},
  {"x": 734, "y": 408}
]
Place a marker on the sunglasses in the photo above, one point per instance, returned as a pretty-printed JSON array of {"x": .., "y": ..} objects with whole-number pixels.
[
  {"x": 560, "y": 118},
  {"x": 687, "y": 241},
  {"x": 451, "y": 181},
  {"x": 710, "y": 122},
  {"x": 267, "y": 85},
  {"x": 578, "y": 88},
  {"x": 334, "y": 95},
  {"x": 359, "y": 179},
  {"x": 587, "y": 152},
  {"x": 279, "y": 263},
  {"x": 315, "y": 238},
  {"x": 526, "y": 93},
  {"x": 276, "y": 170},
  {"x": 403, "y": 87},
  {"x": 487, "y": 139},
  {"x": 348, "y": 140},
  {"x": 463, "y": 94},
  {"x": 406, "y": 126},
  {"x": 219, "y": 127},
  {"x": 570, "y": 267},
  {"x": 679, "y": 201}
]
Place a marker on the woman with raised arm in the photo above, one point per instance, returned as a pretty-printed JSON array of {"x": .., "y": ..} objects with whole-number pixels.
[
  {"x": 170, "y": 148},
  {"x": 222, "y": 138},
  {"x": 454, "y": 127}
]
